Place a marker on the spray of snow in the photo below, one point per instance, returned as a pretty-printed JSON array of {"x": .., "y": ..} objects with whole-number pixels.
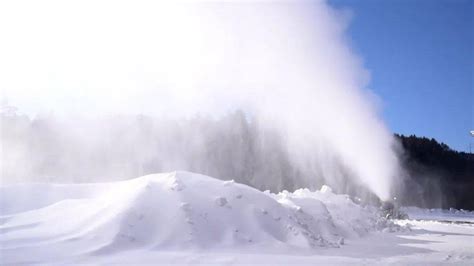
[{"x": 286, "y": 63}]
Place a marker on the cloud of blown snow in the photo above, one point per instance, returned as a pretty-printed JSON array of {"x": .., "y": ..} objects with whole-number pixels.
[{"x": 286, "y": 62}]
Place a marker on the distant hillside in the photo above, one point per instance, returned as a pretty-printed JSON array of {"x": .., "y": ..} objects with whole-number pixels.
[{"x": 435, "y": 169}]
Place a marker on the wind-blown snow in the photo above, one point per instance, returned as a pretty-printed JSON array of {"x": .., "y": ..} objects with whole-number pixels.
[
  {"x": 172, "y": 211},
  {"x": 287, "y": 64}
]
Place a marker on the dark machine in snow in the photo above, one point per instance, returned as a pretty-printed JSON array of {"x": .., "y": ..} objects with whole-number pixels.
[{"x": 391, "y": 210}]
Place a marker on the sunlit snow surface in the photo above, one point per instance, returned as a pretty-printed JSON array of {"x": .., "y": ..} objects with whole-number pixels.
[{"x": 186, "y": 218}]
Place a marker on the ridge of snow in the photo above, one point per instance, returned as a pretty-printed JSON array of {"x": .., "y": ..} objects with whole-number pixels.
[{"x": 174, "y": 211}]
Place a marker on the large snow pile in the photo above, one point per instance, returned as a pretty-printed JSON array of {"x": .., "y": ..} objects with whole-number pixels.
[{"x": 172, "y": 211}]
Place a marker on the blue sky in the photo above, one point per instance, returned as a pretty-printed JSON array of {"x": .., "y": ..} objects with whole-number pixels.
[{"x": 420, "y": 55}]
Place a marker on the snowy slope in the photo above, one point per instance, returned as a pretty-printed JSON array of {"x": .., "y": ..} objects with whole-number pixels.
[
  {"x": 186, "y": 218},
  {"x": 172, "y": 211}
]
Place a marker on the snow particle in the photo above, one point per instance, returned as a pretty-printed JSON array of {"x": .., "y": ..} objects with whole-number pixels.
[
  {"x": 326, "y": 189},
  {"x": 228, "y": 183}
]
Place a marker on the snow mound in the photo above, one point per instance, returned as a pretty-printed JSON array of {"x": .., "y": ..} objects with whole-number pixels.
[{"x": 173, "y": 211}]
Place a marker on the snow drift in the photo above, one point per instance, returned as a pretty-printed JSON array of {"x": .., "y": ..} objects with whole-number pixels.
[{"x": 171, "y": 211}]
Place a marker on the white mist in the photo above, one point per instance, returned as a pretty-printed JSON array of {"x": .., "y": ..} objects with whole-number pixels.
[{"x": 286, "y": 63}]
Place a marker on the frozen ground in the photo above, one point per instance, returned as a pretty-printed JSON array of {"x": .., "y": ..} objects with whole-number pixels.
[
  {"x": 451, "y": 215},
  {"x": 185, "y": 218}
]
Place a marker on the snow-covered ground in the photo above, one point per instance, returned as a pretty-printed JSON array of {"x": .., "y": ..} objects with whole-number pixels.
[
  {"x": 186, "y": 218},
  {"x": 451, "y": 215}
]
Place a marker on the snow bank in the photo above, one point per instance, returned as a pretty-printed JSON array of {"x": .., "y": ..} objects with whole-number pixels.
[{"x": 172, "y": 211}]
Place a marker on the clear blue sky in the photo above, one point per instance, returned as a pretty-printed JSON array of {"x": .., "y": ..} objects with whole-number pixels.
[{"x": 420, "y": 54}]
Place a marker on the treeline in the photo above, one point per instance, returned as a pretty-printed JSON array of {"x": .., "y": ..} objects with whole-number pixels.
[
  {"x": 48, "y": 148},
  {"x": 439, "y": 176}
]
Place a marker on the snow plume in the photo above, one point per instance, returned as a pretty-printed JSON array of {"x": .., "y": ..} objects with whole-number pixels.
[{"x": 286, "y": 64}]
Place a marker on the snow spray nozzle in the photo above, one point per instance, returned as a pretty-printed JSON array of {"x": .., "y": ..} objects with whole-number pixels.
[{"x": 391, "y": 210}]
